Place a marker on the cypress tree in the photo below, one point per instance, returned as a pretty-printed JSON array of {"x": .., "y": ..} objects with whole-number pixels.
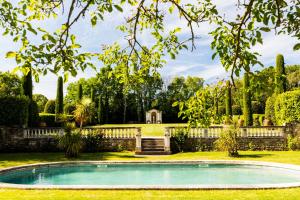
[
  {"x": 79, "y": 92},
  {"x": 280, "y": 76},
  {"x": 59, "y": 103},
  {"x": 228, "y": 100},
  {"x": 92, "y": 94},
  {"x": 247, "y": 111},
  {"x": 100, "y": 116},
  {"x": 27, "y": 85},
  {"x": 33, "y": 114}
]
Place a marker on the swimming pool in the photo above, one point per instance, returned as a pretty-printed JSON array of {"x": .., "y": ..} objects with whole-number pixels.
[{"x": 152, "y": 175}]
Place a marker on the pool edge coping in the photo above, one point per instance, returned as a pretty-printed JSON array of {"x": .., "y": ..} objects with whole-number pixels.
[{"x": 153, "y": 187}]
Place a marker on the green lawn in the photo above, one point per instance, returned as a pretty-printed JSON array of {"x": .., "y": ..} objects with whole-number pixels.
[
  {"x": 147, "y": 129},
  {"x": 7, "y": 160}
]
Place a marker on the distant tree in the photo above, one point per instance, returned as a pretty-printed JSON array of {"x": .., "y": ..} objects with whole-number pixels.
[
  {"x": 10, "y": 84},
  {"x": 247, "y": 110},
  {"x": 280, "y": 75},
  {"x": 92, "y": 96},
  {"x": 99, "y": 111},
  {"x": 41, "y": 101},
  {"x": 59, "y": 103}
]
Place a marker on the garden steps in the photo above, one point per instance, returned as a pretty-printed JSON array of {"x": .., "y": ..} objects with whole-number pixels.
[{"x": 153, "y": 146}]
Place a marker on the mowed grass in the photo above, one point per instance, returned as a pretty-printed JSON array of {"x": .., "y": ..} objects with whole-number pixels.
[
  {"x": 156, "y": 130},
  {"x": 8, "y": 160}
]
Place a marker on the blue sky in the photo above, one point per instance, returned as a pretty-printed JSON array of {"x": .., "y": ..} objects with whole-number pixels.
[{"x": 194, "y": 63}]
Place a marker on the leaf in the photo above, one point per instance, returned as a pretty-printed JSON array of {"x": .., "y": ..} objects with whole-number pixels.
[
  {"x": 297, "y": 47},
  {"x": 11, "y": 54},
  {"x": 265, "y": 29},
  {"x": 118, "y": 8}
]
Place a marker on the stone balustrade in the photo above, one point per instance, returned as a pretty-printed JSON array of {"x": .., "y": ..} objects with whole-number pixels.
[
  {"x": 42, "y": 132},
  {"x": 115, "y": 132},
  {"x": 215, "y": 132}
]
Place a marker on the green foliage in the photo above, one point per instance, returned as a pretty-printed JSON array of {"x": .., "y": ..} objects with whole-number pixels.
[
  {"x": 50, "y": 107},
  {"x": 69, "y": 108},
  {"x": 93, "y": 142},
  {"x": 257, "y": 107},
  {"x": 99, "y": 112},
  {"x": 71, "y": 142},
  {"x": 79, "y": 92},
  {"x": 178, "y": 141},
  {"x": 33, "y": 114},
  {"x": 287, "y": 107},
  {"x": 84, "y": 111},
  {"x": 27, "y": 84},
  {"x": 280, "y": 75},
  {"x": 50, "y": 119},
  {"x": 236, "y": 110},
  {"x": 293, "y": 143},
  {"x": 14, "y": 111},
  {"x": 247, "y": 110},
  {"x": 228, "y": 141},
  {"x": 228, "y": 101},
  {"x": 270, "y": 108},
  {"x": 10, "y": 84},
  {"x": 59, "y": 103},
  {"x": 41, "y": 101},
  {"x": 197, "y": 109}
]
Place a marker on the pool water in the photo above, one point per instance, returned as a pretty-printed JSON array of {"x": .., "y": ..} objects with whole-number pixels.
[{"x": 151, "y": 174}]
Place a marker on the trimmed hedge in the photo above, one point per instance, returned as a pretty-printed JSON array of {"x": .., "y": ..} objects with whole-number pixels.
[
  {"x": 49, "y": 119},
  {"x": 50, "y": 107},
  {"x": 270, "y": 109},
  {"x": 287, "y": 107},
  {"x": 14, "y": 111}
]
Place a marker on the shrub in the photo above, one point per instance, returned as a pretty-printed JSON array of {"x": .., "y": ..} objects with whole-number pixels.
[
  {"x": 93, "y": 142},
  {"x": 50, "y": 107},
  {"x": 69, "y": 108},
  {"x": 293, "y": 142},
  {"x": 236, "y": 110},
  {"x": 178, "y": 141},
  {"x": 287, "y": 107},
  {"x": 222, "y": 110},
  {"x": 71, "y": 142},
  {"x": 228, "y": 141},
  {"x": 33, "y": 114},
  {"x": 49, "y": 119},
  {"x": 270, "y": 108},
  {"x": 14, "y": 111}
]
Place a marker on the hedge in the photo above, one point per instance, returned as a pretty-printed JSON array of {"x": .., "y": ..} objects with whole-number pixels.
[
  {"x": 237, "y": 110},
  {"x": 49, "y": 119},
  {"x": 269, "y": 109},
  {"x": 287, "y": 107},
  {"x": 14, "y": 111},
  {"x": 50, "y": 107}
]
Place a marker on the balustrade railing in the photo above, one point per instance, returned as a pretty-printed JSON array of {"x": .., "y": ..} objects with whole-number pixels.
[
  {"x": 215, "y": 132},
  {"x": 42, "y": 132},
  {"x": 116, "y": 132}
]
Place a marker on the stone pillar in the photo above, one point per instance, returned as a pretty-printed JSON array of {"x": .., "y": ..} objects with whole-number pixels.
[
  {"x": 138, "y": 140},
  {"x": 167, "y": 140}
]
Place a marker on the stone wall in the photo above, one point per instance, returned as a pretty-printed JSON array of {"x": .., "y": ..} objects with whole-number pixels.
[
  {"x": 12, "y": 140},
  {"x": 253, "y": 143}
]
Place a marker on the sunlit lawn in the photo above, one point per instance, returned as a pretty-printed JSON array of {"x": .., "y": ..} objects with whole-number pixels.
[
  {"x": 147, "y": 129},
  {"x": 7, "y": 160}
]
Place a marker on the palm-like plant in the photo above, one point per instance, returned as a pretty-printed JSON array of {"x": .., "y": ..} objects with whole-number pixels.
[{"x": 84, "y": 111}]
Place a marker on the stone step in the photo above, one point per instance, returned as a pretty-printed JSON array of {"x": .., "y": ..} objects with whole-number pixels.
[
  {"x": 152, "y": 149},
  {"x": 153, "y": 153}
]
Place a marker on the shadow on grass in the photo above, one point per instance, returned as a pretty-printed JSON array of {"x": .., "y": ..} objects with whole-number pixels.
[{"x": 256, "y": 155}]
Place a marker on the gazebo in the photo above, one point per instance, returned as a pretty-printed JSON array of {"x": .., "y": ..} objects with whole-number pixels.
[{"x": 153, "y": 116}]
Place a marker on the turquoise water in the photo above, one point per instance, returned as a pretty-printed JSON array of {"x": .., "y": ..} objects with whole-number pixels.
[{"x": 151, "y": 174}]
